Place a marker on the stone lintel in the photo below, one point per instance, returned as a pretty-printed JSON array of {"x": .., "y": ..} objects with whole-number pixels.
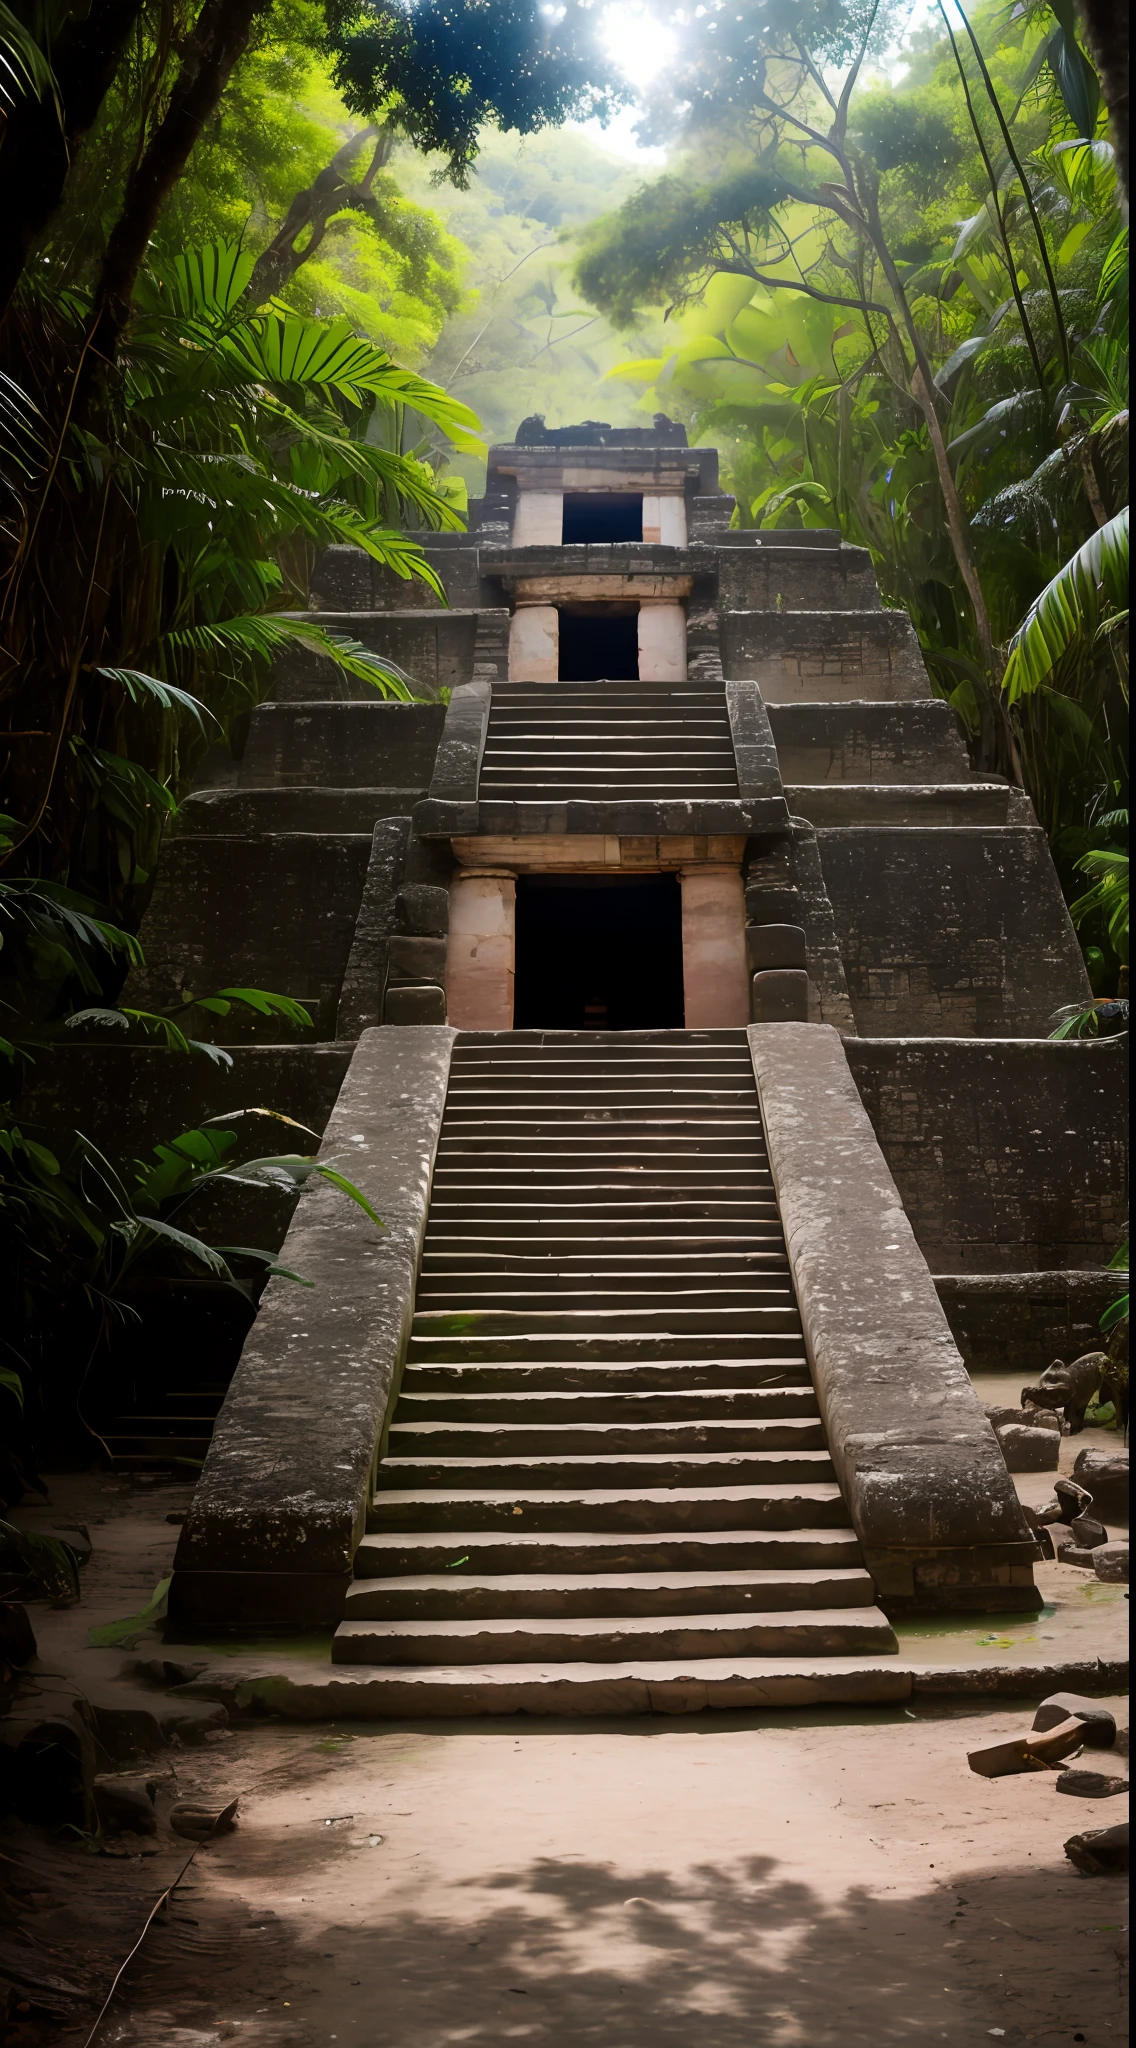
[
  {"x": 580, "y": 473},
  {"x": 637, "y": 817},
  {"x": 599, "y": 853},
  {"x": 634, "y": 587},
  {"x": 281, "y": 1503},
  {"x": 917, "y": 1461}
]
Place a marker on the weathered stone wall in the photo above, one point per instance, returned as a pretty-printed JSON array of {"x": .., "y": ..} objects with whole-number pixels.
[
  {"x": 864, "y": 742},
  {"x": 1018, "y": 1323},
  {"x": 128, "y": 1098},
  {"x": 343, "y": 746},
  {"x": 434, "y": 647},
  {"x": 794, "y": 579},
  {"x": 276, "y": 912},
  {"x": 1009, "y": 1156},
  {"x": 805, "y": 657},
  {"x": 951, "y": 931},
  {"x": 347, "y": 580}
]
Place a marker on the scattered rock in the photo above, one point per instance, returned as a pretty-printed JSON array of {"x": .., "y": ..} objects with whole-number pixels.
[
  {"x": 1088, "y": 1532},
  {"x": 1069, "y": 1387},
  {"x": 1036, "y": 1751},
  {"x": 1031, "y": 1418},
  {"x": 1098, "y": 1723},
  {"x": 1029, "y": 1450},
  {"x": 1091, "y": 1784},
  {"x": 1105, "y": 1475},
  {"x": 202, "y": 1823},
  {"x": 1043, "y": 1517},
  {"x": 1110, "y": 1563},
  {"x": 125, "y": 1803},
  {"x": 163, "y": 1671},
  {"x": 1072, "y": 1500},
  {"x": 1069, "y": 1552},
  {"x": 1099, "y": 1851}
]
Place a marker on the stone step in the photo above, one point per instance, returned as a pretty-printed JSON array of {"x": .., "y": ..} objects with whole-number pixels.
[
  {"x": 584, "y": 1295},
  {"x": 697, "y": 1405},
  {"x": 719, "y": 1350},
  {"x": 839, "y": 1631},
  {"x": 597, "y": 1471},
  {"x": 481, "y": 1266},
  {"x": 474, "y": 1232},
  {"x": 513, "y": 1441},
  {"x": 466, "y": 1596},
  {"x": 705, "y": 1552},
  {"x": 662, "y": 1321},
  {"x": 679, "y": 1686},
  {"x": 498, "y": 1371},
  {"x": 812, "y": 1504}
]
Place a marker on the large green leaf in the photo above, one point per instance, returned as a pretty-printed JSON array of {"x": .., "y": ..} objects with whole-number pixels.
[{"x": 1068, "y": 609}]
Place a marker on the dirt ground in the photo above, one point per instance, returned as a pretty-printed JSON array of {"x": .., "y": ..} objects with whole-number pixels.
[{"x": 830, "y": 1876}]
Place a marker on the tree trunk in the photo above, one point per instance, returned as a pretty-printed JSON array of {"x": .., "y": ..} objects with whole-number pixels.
[
  {"x": 1106, "y": 32},
  {"x": 219, "y": 38},
  {"x": 37, "y": 147},
  {"x": 312, "y": 208}
]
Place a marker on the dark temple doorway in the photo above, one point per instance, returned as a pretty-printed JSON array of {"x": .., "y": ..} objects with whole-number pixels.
[
  {"x": 598, "y": 953},
  {"x": 602, "y": 515},
  {"x": 600, "y": 642}
]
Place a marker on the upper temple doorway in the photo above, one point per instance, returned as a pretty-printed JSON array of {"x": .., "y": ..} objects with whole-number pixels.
[
  {"x": 598, "y": 953},
  {"x": 602, "y": 516}
]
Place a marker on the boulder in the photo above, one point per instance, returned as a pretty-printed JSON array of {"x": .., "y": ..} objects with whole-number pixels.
[
  {"x": 1099, "y": 1723},
  {"x": 1105, "y": 1476},
  {"x": 1072, "y": 1499},
  {"x": 1099, "y": 1851},
  {"x": 1069, "y": 1387},
  {"x": 1110, "y": 1563},
  {"x": 1029, "y": 1450},
  {"x": 1069, "y": 1552},
  {"x": 1091, "y": 1784},
  {"x": 1028, "y": 1418},
  {"x": 123, "y": 1804},
  {"x": 1088, "y": 1532}
]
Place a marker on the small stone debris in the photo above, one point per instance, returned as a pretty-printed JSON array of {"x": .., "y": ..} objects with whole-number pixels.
[
  {"x": 1069, "y": 1552},
  {"x": 1028, "y": 1418},
  {"x": 1091, "y": 1784},
  {"x": 1105, "y": 1475},
  {"x": 1110, "y": 1563},
  {"x": 125, "y": 1805},
  {"x": 1037, "y": 1751},
  {"x": 1029, "y": 1450},
  {"x": 1098, "y": 1723},
  {"x": 1099, "y": 1851},
  {"x": 1072, "y": 1499}
]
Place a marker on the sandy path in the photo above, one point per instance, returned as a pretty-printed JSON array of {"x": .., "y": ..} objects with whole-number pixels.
[{"x": 830, "y": 1879}]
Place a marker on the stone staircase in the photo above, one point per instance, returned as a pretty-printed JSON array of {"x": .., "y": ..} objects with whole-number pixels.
[
  {"x": 606, "y": 1455},
  {"x": 607, "y": 740}
]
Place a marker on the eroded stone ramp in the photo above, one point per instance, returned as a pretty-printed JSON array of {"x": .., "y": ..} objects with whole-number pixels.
[{"x": 606, "y": 1451}]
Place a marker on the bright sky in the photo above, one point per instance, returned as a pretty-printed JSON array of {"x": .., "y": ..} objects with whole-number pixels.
[{"x": 641, "y": 47}]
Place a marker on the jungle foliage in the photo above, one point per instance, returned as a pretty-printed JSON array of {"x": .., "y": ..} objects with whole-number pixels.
[
  {"x": 906, "y": 309},
  {"x": 205, "y": 263}
]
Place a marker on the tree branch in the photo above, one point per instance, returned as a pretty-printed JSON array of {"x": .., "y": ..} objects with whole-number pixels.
[
  {"x": 40, "y": 136},
  {"x": 219, "y": 38}
]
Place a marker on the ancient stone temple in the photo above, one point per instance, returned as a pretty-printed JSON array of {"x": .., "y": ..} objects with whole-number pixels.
[{"x": 682, "y": 1002}]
